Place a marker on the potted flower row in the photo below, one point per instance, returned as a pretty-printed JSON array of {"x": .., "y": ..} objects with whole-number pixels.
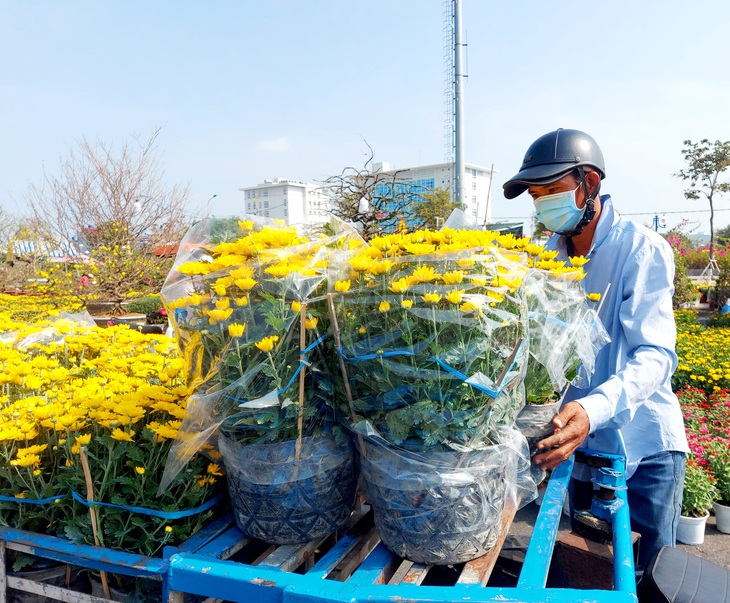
[{"x": 416, "y": 342}]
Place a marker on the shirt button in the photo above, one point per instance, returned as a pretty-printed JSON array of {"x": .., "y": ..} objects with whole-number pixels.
[{"x": 593, "y": 435}]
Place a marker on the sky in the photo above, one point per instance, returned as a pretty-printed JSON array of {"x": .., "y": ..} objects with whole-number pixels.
[{"x": 250, "y": 90}]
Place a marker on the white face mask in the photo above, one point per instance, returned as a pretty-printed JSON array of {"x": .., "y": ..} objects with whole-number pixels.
[{"x": 558, "y": 212}]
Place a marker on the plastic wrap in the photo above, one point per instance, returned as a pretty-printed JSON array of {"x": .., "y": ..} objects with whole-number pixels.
[
  {"x": 246, "y": 300},
  {"x": 269, "y": 482},
  {"x": 432, "y": 331},
  {"x": 62, "y": 324},
  {"x": 443, "y": 507},
  {"x": 565, "y": 334}
]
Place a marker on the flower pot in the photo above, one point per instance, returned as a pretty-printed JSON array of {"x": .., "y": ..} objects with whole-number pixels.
[
  {"x": 54, "y": 575},
  {"x": 722, "y": 517},
  {"x": 281, "y": 500},
  {"x": 691, "y": 530},
  {"x": 535, "y": 423},
  {"x": 437, "y": 508}
]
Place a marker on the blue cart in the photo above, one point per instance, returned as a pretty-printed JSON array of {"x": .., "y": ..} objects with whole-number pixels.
[
  {"x": 357, "y": 567},
  {"x": 92, "y": 558}
]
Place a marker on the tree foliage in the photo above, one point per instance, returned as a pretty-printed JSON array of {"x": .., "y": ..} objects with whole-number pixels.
[
  {"x": 114, "y": 199},
  {"x": 433, "y": 209},
  {"x": 706, "y": 162}
]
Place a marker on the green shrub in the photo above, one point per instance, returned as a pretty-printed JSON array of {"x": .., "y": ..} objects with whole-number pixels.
[{"x": 144, "y": 305}]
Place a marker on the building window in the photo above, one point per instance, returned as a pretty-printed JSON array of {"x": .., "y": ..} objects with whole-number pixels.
[
  {"x": 474, "y": 173},
  {"x": 266, "y": 193},
  {"x": 266, "y": 213},
  {"x": 473, "y": 186},
  {"x": 266, "y": 203}
]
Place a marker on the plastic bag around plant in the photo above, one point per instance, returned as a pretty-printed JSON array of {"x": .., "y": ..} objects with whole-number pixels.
[
  {"x": 246, "y": 299},
  {"x": 61, "y": 325},
  {"x": 432, "y": 338},
  {"x": 443, "y": 507},
  {"x": 566, "y": 335},
  {"x": 293, "y": 491}
]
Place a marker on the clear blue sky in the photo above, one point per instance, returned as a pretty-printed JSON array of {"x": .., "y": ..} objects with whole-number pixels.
[{"x": 249, "y": 90}]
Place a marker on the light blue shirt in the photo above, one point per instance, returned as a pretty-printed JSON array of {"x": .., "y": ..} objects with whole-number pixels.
[{"x": 630, "y": 403}]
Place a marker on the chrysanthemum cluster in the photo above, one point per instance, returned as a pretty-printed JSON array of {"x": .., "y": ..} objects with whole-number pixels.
[{"x": 119, "y": 396}]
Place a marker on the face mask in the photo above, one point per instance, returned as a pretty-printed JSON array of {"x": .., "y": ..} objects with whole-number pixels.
[{"x": 558, "y": 212}]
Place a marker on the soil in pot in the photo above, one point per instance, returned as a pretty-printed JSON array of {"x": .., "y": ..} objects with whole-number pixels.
[{"x": 281, "y": 500}]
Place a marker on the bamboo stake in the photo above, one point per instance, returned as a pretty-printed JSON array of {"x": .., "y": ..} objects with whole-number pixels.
[
  {"x": 343, "y": 368},
  {"x": 300, "y": 409},
  {"x": 92, "y": 513}
]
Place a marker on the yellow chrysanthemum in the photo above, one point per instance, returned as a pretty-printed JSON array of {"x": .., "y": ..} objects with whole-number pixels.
[
  {"x": 384, "y": 306},
  {"x": 122, "y": 436},
  {"x": 236, "y": 329},
  {"x": 455, "y": 296},
  {"x": 431, "y": 298},
  {"x": 342, "y": 286},
  {"x": 310, "y": 323},
  {"x": 267, "y": 343}
]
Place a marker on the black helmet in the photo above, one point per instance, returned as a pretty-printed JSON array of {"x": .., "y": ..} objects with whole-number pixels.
[{"x": 553, "y": 155}]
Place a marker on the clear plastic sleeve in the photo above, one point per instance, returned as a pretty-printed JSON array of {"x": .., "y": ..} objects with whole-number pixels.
[
  {"x": 246, "y": 300},
  {"x": 444, "y": 507}
]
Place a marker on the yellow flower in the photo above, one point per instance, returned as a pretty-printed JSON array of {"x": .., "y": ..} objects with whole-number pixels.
[
  {"x": 362, "y": 330},
  {"x": 168, "y": 529},
  {"x": 407, "y": 303},
  {"x": 28, "y": 460},
  {"x": 245, "y": 284},
  {"x": 578, "y": 261},
  {"x": 215, "y": 469},
  {"x": 399, "y": 286},
  {"x": 594, "y": 297},
  {"x": 216, "y": 316},
  {"x": 139, "y": 470},
  {"x": 384, "y": 306},
  {"x": 423, "y": 274},
  {"x": 342, "y": 286},
  {"x": 296, "y": 306},
  {"x": 267, "y": 343},
  {"x": 431, "y": 298},
  {"x": 453, "y": 278},
  {"x": 236, "y": 329},
  {"x": 310, "y": 323},
  {"x": 122, "y": 436},
  {"x": 455, "y": 296}
]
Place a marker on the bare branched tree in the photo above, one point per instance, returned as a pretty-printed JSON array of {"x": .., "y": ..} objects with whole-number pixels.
[
  {"x": 116, "y": 201},
  {"x": 120, "y": 192},
  {"x": 376, "y": 202}
]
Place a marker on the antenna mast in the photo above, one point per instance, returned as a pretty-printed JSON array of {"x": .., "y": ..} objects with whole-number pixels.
[{"x": 454, "y": 95}]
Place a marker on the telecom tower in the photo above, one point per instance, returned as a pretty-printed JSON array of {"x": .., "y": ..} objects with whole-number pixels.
[{"x": 454, "y": 94}]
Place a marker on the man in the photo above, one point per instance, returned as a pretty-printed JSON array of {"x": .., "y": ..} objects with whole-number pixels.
[{"x": 629, "y": 407}]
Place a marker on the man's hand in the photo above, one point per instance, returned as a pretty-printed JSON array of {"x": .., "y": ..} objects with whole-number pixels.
[{"x": 571, "y": 428}]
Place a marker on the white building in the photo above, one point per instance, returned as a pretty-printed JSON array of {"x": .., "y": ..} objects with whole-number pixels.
[
  {"x": 476, "y": 184},
  {"x": 293, "y": 201}
]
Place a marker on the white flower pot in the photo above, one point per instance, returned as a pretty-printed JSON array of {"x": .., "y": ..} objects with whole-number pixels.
[
  {"x": 691, "y": 530},
  {"x": 722, "y": 518}
]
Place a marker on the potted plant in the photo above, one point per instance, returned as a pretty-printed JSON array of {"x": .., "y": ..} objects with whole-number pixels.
[
  {"x": 565, "y": 334},
  {"x": 697, "y": 498},
  {"x": 245, "y": 299},
  {"x": 719, "y": 458},
  {"x": 431, "y": 337},
  {"x": 118, "y": 396}
]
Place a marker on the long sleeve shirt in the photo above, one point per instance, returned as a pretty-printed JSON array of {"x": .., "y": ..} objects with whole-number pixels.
[{"x": 629, "y": 401}]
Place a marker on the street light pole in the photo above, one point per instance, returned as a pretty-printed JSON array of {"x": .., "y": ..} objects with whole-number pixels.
[{"x": 659, "y": 222}]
